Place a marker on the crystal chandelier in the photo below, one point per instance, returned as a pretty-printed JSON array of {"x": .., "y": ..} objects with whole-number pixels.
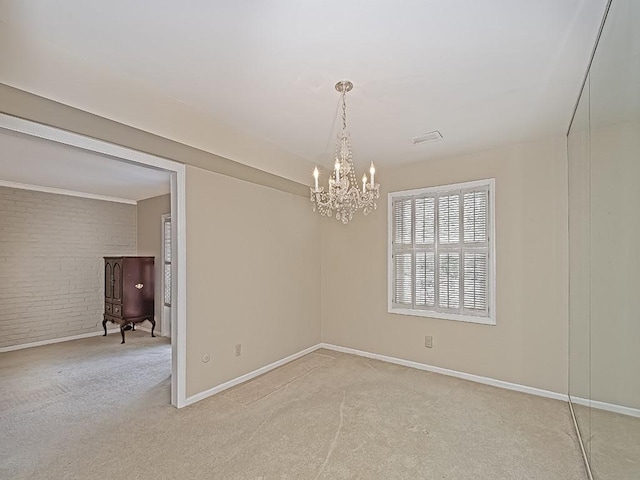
[{"x": 344, "y": 195}]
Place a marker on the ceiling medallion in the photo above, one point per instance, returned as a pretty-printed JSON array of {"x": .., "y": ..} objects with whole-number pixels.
[{"x": 344, "y": 195}]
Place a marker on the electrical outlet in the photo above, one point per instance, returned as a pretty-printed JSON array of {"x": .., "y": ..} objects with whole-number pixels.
[
  {"x": 428, "y": 341},
  {"x": 238, "y": 349}
]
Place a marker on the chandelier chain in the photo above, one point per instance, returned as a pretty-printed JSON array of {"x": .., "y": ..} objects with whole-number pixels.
[{"x": 344, "y": 111}]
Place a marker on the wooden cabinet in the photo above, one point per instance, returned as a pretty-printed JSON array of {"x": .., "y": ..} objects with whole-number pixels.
[{"x": 128, "y": 292}]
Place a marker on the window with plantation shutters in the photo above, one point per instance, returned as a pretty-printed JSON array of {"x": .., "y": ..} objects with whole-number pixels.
[
  {"x": 441, "y": 252},
  {"x": 166, "y": 261}
]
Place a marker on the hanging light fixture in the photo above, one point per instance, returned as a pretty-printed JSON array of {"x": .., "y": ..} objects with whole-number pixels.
[{"x": 344, "y": 195}]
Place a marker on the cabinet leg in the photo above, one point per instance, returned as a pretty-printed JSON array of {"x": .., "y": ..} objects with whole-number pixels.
[
  {"x": 122, "y": 332},
  {"x": 153, "y": 326},
  {"x": 104, "y": 325}
]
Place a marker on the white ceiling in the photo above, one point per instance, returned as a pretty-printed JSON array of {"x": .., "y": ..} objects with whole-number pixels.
[
  {"x": 484, "y": 73},
  {"x": 44, "y": 163}
]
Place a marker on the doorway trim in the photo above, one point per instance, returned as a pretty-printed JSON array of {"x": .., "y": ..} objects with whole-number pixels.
[{"x": 178, "y": 231}]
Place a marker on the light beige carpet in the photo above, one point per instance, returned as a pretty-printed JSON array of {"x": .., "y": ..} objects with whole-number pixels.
[{"x": 95, "y": 409}]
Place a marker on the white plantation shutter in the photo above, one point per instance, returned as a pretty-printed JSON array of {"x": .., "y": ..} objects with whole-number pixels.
[
  {"x": 166, "y": 238},
  {"x": 476, "y": 251},
  {"x": 425, "y": 279},
  {"x": 475, "y": 281},
  {"x": 449, "y": 280},
  {"x": 402, "y": 279},
  {"x": 425, "y": 215},
  {"x": 475, "y": 216},
  {"x": 440, "y": 247},
  {"x": 425, "y": 262},
  {"x": 402, "y": 221},
  {"x": 167, "y": 284},
  {"x": 403, "y": 261},
  {"x": 449, "y": 218}
]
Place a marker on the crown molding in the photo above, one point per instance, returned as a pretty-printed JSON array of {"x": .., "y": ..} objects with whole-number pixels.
[{"x": 69, "y": 193}]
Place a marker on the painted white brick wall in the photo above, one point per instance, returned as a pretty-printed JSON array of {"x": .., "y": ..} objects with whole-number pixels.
[{"x": 51, "y": 266}]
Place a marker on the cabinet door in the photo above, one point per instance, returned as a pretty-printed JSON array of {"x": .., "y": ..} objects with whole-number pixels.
[
  {"x": 117, "y": 280},
  {"x": 137, "y": 286},
  {"x": 108, "y": 280}
]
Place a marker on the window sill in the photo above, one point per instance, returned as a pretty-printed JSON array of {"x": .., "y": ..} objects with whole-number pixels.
[{"x": 444, "y": 316}]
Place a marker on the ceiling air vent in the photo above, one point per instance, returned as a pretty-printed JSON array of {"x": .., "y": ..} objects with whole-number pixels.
[{"x": 427, "y": 137}]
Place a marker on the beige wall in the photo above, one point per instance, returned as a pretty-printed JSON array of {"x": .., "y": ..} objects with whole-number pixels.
[
  {"x": 150, "y": 213},
  {"x": 529, "y": 343},
  {"x": 253, "y": 277},
  {"x": 51, "y": 265}
]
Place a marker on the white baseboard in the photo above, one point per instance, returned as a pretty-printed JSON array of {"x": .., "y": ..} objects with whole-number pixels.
[
  {"x": 384, "y": 358},
  {"x": 11, "y": 348},
  {"x": 248, "y": 376},
  {"x": 609, "y": 407},
  {"x": 451, "y": 373}
]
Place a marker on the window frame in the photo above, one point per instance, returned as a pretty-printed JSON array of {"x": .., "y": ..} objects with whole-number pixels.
[{"x": 435, "y": 312}]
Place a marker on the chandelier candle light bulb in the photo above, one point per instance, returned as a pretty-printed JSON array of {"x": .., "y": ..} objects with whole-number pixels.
[{"x": 343, "y": 195}]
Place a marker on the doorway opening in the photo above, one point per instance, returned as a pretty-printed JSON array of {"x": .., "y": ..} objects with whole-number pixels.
[{"x": 176, "y": 249}]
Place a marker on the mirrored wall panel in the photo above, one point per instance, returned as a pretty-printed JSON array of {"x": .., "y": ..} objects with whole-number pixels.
[{"x": 604, "y": 230}]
